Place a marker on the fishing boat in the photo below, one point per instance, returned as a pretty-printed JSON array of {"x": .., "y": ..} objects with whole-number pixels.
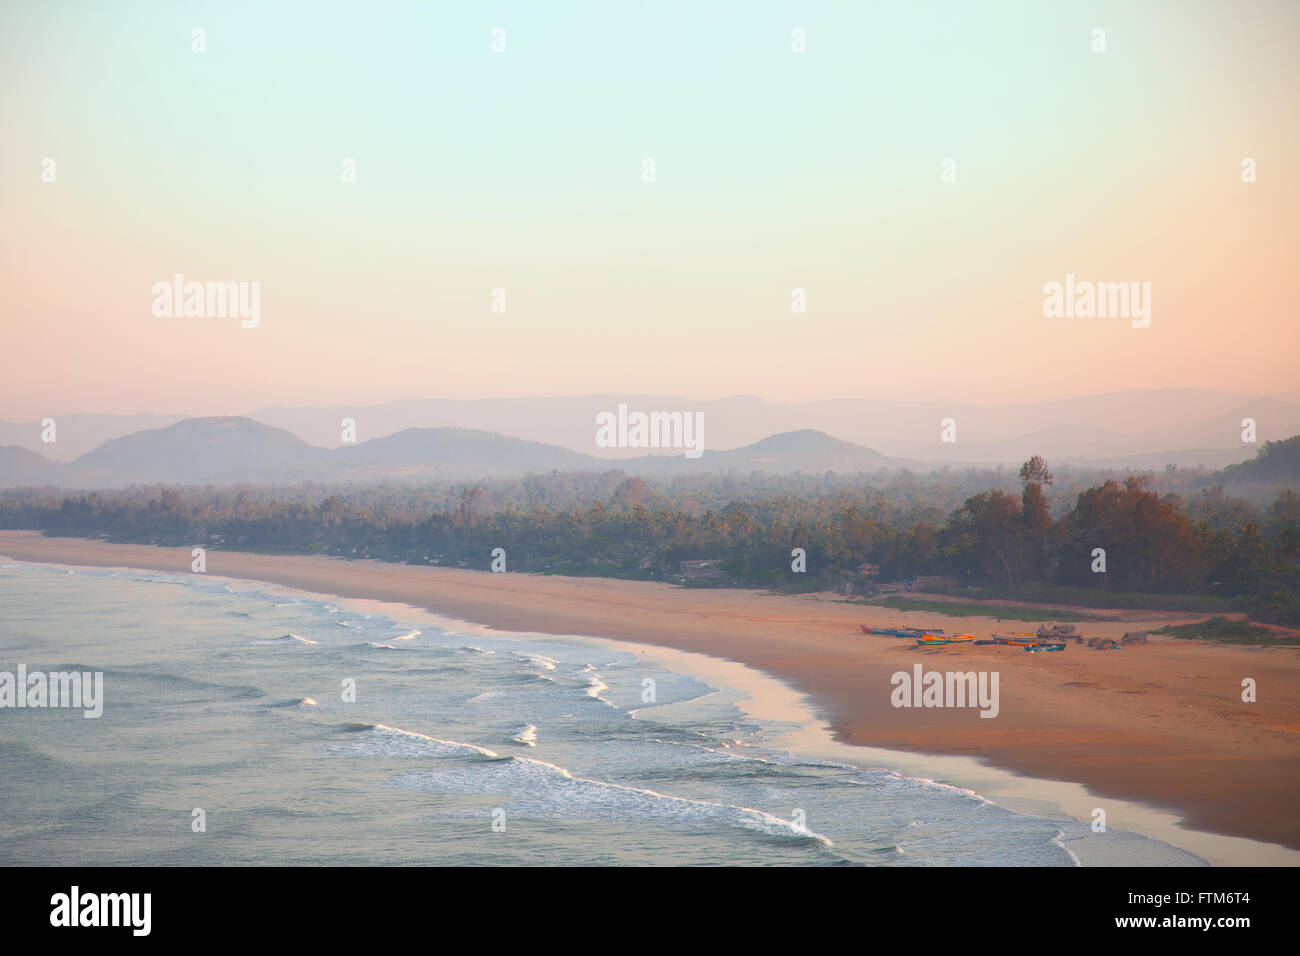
[
  {"x": 898, "y": 631},
  {"x": 1015, "y": 640},
  {"x": 931, "y": 640},
  {"x": 1045, "y": 647}
]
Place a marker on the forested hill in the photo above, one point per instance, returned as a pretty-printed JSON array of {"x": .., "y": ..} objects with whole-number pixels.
[{"x": 1277, "y": 463}]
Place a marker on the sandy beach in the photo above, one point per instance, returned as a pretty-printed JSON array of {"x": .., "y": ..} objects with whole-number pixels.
[{"x": 1162, "y": 724}]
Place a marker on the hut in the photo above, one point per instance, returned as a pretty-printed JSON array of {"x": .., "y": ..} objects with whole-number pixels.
[
  {"x": 1105, "y": 644},
  {"x": 1059, "y": 632},
  {"x": 1133, "y": 637}
]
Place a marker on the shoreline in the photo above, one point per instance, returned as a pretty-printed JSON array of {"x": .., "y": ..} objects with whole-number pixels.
[{"x": 1218, "y": 782}]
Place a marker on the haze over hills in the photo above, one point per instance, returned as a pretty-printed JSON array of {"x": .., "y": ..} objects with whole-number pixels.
[
  {"x": 199, "y": 450},
  {"x": 77, "y": 434},
  {"x": 243, "y": 451},
  {"x": 1139, "y": 429},
  {"x": 451, "y": 453},
  {"x": 1102, "y": 426},
  {"x": 240, "y": 450}
]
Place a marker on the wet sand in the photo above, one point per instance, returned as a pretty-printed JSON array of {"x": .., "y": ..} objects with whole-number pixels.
[{"x": 1161, "y": 724}]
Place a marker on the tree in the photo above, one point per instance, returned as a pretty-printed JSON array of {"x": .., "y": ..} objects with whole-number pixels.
[
  {"x": 1034, "y": 513},
  {"x": 1034, "y": 472}
]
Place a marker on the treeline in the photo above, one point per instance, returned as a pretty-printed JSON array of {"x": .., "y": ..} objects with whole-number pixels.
[{"x": 1119, "y": 536}]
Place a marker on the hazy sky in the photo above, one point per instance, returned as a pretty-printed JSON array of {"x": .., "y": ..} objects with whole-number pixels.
[{"x": 523, "y": 171}]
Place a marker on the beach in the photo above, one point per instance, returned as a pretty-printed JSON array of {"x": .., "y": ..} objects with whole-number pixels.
[{"x": 1161, "y": 724}]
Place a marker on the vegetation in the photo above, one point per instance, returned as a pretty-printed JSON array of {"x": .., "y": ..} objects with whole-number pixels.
[
  {"x": 1043, "y": 593},
  {"x": 1227, "y": 631},
  {"x": 1009, "y": 612},
  {"x": 1013, "y": 540},
  {"x": 1277, "y": 461}
]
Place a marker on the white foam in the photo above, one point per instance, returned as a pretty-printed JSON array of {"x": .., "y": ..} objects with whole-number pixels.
[
  {"x": 295, "y": 639},
  {"x": 544, "y": 789},
  {"x": 527, "y": 735},
  {"x": 538, "y": 660},
  {"x": 384, "y": 741}
]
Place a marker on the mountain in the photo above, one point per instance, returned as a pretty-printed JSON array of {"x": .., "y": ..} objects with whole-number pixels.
[
  {"x": 452, "y": 453},
  {"x": 198, "y": 451},
  {"x": 75, "y": 435},
  {"x": 1278, "y": 462},
  {"x": 806, "y": 450},
  {"x": 1139, "y": 425},
  {"x": 1138, "y": 422},
  {"x": 240, "y": 450},
  {"x": 19, "y": 467}
]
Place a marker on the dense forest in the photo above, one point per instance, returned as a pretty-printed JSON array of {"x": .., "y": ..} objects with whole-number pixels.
[{"x": 1016, "y": 533}]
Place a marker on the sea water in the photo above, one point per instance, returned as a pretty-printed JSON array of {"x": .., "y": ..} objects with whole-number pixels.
[{"x": 247, "y": 724}]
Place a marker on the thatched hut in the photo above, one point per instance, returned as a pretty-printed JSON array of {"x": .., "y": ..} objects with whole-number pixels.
[
  {"x": 1133, "y": 637},
  {"x": 1106, "y": 644},
  {"x": 1056, "y": 630}
]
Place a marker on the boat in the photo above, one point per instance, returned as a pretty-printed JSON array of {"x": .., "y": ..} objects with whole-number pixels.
[
  {"x": 931, "y": 640},
  {"x": 1015, "y": 640},
  {"x": 898, "y": 631},
  {"x": 1045, "y": 647}
]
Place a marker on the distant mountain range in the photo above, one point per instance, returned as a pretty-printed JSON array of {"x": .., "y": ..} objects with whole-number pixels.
[
  {"x": 240, "y": 450},
  {"x": 499, "y": 437}
]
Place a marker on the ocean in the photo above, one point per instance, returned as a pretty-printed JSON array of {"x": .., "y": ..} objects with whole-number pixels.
[{"x": 225, "y": 704}]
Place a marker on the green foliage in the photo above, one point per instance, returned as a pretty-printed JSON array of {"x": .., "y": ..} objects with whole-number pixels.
[
  {"x": 1227, "y": 631},
  {"x": 1009, "y": 612}
]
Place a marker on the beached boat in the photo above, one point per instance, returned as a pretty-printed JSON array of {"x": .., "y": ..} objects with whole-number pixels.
[
  {"x": 1045, "y": 647},
  {"x": 1015, "y": 640},
  {"x": 930, "y": 640},
  {"x": 898, "y": 631}
]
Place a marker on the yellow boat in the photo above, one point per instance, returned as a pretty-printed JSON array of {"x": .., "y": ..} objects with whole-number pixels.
[{"x": 930, "y": 640}]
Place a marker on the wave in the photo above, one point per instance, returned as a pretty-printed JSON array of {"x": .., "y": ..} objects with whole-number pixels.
[
  {"x": 385, "y": 741},
  {"x": 1057, "y": 841},
  {"x": 408, "y": 636},
  {"x": 596, "y": 686},
  {"x": 293, "y": 639},
  {"x": 538, "y": 660},
  {"x": 526, "y": 734},
  {"x": 538, "y": 788}
]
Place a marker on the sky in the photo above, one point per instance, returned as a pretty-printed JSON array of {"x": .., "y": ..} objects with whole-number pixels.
[{"x": 524, "y": 171}]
